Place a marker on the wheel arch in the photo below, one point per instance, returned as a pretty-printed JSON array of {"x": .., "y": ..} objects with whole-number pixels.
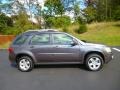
[
  {"x": 94, "y": 52},
  {"x": 24, "y": 54}
]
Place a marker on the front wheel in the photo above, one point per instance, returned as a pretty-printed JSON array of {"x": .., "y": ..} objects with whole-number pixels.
[
  {"x": 25, "y": 64},
  {"x": 94, "y": 62}
]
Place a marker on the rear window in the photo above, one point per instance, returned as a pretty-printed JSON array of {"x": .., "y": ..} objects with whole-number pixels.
[{"x": 20, "y": 40}]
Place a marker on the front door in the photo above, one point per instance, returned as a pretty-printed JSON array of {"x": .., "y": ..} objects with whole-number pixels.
[{"x": 64, "y": 51}]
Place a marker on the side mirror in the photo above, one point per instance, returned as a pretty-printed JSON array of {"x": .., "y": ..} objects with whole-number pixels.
[{"x": 74, "y": 43}]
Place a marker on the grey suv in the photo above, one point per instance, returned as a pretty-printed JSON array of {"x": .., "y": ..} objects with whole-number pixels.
[{"x": 53, "y": 47}]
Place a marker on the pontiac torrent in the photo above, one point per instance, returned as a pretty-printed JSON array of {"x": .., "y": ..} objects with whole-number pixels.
[{"x": 48, "y": 46}]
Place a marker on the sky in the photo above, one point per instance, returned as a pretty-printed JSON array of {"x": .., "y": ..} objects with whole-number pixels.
[{"x": 42, "y": 2}]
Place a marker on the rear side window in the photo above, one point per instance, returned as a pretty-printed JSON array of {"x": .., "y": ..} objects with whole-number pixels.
[
  {"x": 20, "y": 40},
  {"x": 41, "y": 39}
]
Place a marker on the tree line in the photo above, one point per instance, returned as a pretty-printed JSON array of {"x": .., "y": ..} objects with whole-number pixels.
[
  {"x": 102, "y": 10},
  {"x": 16, "y": 15}
]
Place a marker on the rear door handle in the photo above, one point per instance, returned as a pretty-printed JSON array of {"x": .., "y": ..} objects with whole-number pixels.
[
  {"x": 31, "y": 46},
  {"x": 57, "y": 46}
]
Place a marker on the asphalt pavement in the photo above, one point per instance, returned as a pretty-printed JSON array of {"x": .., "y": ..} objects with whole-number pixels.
[{"x": 60, "y": 77}]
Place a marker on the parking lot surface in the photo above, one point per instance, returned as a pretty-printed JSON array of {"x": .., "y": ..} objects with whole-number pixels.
[{"x": 60, "y": 77}]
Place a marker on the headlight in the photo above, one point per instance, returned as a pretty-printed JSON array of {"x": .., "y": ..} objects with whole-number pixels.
[{"x": 107, "y": 49}]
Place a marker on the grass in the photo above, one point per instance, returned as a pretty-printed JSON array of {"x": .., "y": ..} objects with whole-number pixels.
[{"x": 106, "y": 33}]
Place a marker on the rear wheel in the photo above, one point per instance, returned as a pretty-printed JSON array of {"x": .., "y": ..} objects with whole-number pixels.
[
  {"x": 94, "y": 62},
  {"x": 25, "y": 64}
]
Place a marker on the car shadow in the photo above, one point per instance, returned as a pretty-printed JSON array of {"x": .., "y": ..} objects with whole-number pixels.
[
  {"x": 61, "y": 66},
  {"x": 13, "y": 65},
  {"x": 38, "y": 66}
]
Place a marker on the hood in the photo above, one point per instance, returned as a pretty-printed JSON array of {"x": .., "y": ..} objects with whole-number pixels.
[{"x": 92, "y": 44}]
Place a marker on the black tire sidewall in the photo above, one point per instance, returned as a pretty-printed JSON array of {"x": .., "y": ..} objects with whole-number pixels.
[
  {"x": 29, "y": 59},
  {"x": 94, "y": 55}
]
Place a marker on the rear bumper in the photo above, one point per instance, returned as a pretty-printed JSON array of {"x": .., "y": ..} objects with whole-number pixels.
[{"x": 12, "y": 59}]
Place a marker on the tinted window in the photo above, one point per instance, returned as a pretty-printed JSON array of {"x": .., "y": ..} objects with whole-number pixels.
[
  {"x": 20, "y": 40},
  {"x": 41, "y": 39},
  {"x": 62, "y": 39}
]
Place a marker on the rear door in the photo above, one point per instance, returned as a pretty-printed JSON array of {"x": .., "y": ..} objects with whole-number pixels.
[
  {"x": 63, "y": 50},
  {"x": 40, "y": 46}
]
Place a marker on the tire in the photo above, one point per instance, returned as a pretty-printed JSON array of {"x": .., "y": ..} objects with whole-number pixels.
[
  {"x": 25, "y": 64},
  {"x": 94, "y": 62}
]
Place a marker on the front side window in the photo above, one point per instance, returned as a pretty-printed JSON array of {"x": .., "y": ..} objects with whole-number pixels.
[
  {"x": 41, "y": 39},
  {"x": 62, "y": 39}
]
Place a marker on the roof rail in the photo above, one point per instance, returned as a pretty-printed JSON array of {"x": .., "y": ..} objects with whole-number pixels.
[
  {"x": 32, "y": 30},
  {"x": 43, "y": 30},
  {"x": 49, "y": 30}
]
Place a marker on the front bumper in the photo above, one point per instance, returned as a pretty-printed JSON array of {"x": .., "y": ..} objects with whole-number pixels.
[{"x": 108, "y": 57}]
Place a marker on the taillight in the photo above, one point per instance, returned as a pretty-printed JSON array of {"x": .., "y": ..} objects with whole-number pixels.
[{"x": 10, "y": 50}]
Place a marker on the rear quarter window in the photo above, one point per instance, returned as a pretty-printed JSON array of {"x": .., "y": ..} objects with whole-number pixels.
[{"x": 20, "y": 40}]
